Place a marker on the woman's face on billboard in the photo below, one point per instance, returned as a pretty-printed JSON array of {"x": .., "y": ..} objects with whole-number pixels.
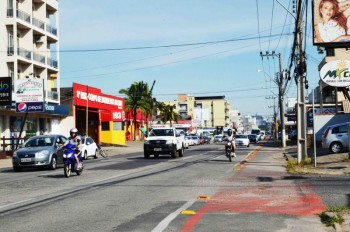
[{"x": 327, "y": 11}]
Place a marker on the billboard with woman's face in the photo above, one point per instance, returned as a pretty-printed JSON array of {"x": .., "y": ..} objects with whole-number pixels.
[{"x": 331, "y": 23}]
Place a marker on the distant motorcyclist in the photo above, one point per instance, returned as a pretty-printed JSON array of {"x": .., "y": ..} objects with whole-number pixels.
[
  {"x": 231, "y": 138},
  {"x": 75, "y": 140}
]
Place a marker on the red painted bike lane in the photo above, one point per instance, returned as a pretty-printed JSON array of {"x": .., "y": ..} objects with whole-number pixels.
[{"x": 257, "y": 187}]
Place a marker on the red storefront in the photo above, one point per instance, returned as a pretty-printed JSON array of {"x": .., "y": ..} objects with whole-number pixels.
[{"x": 99, "y": 115}]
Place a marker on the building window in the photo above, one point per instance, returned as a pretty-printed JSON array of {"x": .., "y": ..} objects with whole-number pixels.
[
  {"x": 117, "y": 126},
  {"x": 105, "y": 126}
]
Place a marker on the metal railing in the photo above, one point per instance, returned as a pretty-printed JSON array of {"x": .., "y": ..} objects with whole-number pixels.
[
  {"x": 53, "y": 95},
  {"x": 24, "y": 53},
  {"x": 10, "y": 13},
  {"x": 38, "y": 23},
  {"x": 23, "y": 15},
  {"x": 39, "y": 58},
  {"x": 53, "y": 63},
  {"x": 51, "y": 29},
  {"x": 10, "y": 51}
]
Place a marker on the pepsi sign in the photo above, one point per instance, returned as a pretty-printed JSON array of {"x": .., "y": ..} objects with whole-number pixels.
[
  {"x": 5, "y": 91},
  {"x": 24, "y": 107}
]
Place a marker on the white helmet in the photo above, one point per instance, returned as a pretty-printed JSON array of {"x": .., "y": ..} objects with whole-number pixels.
[{"x": 74, "y": 130}]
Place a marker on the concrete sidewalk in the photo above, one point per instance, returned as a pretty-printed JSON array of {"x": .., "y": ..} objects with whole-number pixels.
[
  {"x": 130, "y": 147},
  {"x": 327, "y": 163}
]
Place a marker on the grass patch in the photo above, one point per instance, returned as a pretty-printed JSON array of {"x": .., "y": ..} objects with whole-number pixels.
[
  {"x": 331, "y": 220},
  {"x": 292, "y": 165},
  {"x": 333, "y": 215}
]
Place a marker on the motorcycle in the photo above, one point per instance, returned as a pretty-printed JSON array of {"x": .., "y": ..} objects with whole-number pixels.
[
  {"x": 228, "y": 149},
  {"x": 70, "y": 164}
]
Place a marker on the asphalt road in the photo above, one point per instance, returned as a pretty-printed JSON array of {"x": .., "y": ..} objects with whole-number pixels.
[{"x": 130, "y": 193}]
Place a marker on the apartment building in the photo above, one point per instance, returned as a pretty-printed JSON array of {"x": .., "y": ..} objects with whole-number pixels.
[
  {"x": 30, "y": 51},
  {"x": 204, "y": 111}
]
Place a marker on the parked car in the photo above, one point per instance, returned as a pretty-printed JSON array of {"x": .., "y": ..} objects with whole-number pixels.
[
  {"x": 242, "y": 140},
  {"x": 89, "y": 148},
  {"x": 335, "y": 137},
  {"x": 201, "y": 140},
  {"x": 190, "y": 140},
  {"x": 292, "y": 135},
  {"x": 217, "y": 138},
  {"x": 196, "y": 140},
  {"x": 39, "y": 151},
  {"x": 253, "y": 138},
  {"x": 207, "y": 139}
]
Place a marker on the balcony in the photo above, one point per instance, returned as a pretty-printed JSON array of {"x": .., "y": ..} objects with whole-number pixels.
[
  {"x": 53, "y": 95},
  {"x": 24, "y": 53},
  {"x": 39, "y": 58},
  {"x": 23, "y": 15},
  {"x": 52, "y": 63},
  {"x": 10, "y": 51},
  {"x": 51, "y": 29},
  {"x": 38, "y": 23}
]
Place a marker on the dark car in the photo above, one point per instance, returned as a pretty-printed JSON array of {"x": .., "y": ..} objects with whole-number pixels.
[
  {"x": 39, "y": 151},
  {"x": 207, "y": 139},
  {"x": 253, "y": 138}
]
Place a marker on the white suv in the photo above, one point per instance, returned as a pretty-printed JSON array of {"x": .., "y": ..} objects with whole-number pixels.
[{"x": 335, "y": 137}]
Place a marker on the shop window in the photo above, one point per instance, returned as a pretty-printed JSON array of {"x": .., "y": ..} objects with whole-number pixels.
[
  {"x": 118, "y": 126},
  {"x": 105, "y": 126}
]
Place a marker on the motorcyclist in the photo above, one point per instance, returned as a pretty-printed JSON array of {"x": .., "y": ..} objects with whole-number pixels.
[
  {"x": 231, "y": 138},
  {"x": 75, "y": 140}
]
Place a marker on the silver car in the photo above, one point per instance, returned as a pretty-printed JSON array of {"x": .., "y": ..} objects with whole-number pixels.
[
  {"x": 335, "y": 137},
  {"x": 39, "y": 151}
]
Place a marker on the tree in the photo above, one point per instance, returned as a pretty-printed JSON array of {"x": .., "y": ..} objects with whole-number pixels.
[
  {"x": 167, "y": 113},
  {"x": 138, "y": 96}
]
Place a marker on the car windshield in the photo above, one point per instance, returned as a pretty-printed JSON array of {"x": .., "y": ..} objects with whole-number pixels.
[
  {"x": 252, "y": 136},
  {"x": 161, "y": 132},
  {"x": 195, "y": 137},
  {"x": 39, "y": 142},
  {"x": 241, "y": 136}
]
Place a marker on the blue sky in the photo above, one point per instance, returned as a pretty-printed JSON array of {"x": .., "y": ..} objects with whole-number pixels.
[{"x": 225, "y": 68}]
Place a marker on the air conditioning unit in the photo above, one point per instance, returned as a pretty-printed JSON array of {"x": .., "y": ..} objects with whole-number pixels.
[{"x": 39, "y": 39}]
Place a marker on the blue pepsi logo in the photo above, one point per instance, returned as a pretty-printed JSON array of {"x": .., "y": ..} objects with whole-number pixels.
[{"x": 22, "y": 107}]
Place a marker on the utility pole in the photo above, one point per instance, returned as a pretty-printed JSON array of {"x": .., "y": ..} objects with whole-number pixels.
[
  {"x": 275, "y": 134},
  {"x": 301, "y": 70},
  {"x": 279, "y": 81}
]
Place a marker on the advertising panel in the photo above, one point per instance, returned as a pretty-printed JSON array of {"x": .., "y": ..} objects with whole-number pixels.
[
  {"x": 330, "y": 23},
  {"x": 5, "y": 91},
  {"x": 336, "y": 73},
  {"x": 29, "y": 95}
]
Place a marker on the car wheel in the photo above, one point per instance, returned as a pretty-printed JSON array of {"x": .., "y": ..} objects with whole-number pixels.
[
  {"x": 248, "y": 145},
  {"x": 181, "y": 151},
  {"x": 85, "y": 155},
  {"x": 53, "y": 164},
  {"x": 174, "y": 154},
  {"x": 156, "y": 156},
  {"x": 96, "y": 154},
  {"x": 17, "y": 169},
  {"x": 335, "y": 147},
  {"x": 146, "y": 155}
]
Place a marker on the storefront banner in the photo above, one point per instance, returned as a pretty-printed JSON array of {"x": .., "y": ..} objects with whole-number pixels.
[
  {"x": 24, "y": 107},
  {"x": 29, "y": 90},
  {"x": 5, "y": 91},
  {"x": 94, "y": 98}
]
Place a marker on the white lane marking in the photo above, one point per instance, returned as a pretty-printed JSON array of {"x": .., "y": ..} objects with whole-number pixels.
[
  {"x": 15, "y": 203},
  {"x": 166, "y": 221}
]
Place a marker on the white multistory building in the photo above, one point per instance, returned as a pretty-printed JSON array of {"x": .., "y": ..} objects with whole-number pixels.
[{"x": 29, "y": 38}]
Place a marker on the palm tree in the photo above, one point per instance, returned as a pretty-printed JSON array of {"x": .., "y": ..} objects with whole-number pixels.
[
  {"x": 167, "y": 113},
  {"x": 137, "y": 97}
]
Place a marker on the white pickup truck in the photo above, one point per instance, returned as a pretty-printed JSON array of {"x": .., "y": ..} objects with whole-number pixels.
[{"x": 165, "y": 140}]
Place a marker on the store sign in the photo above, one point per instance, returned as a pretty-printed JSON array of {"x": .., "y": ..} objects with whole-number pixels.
[
  {"x": 118, "y": 116},
  {"x": 336, "y": 73},
  {"x": 93, "y": 97},
  {"x": 29, "y": 94},
  {"x": 5, "y": 91}
]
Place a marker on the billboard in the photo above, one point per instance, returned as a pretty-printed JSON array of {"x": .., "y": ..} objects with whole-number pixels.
[
  {"x": 336, "y": 73},
  {"x": 5, "y": 91},
  {"x": 29, "y": 95},
  {"x": 330, "y": 23}
]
